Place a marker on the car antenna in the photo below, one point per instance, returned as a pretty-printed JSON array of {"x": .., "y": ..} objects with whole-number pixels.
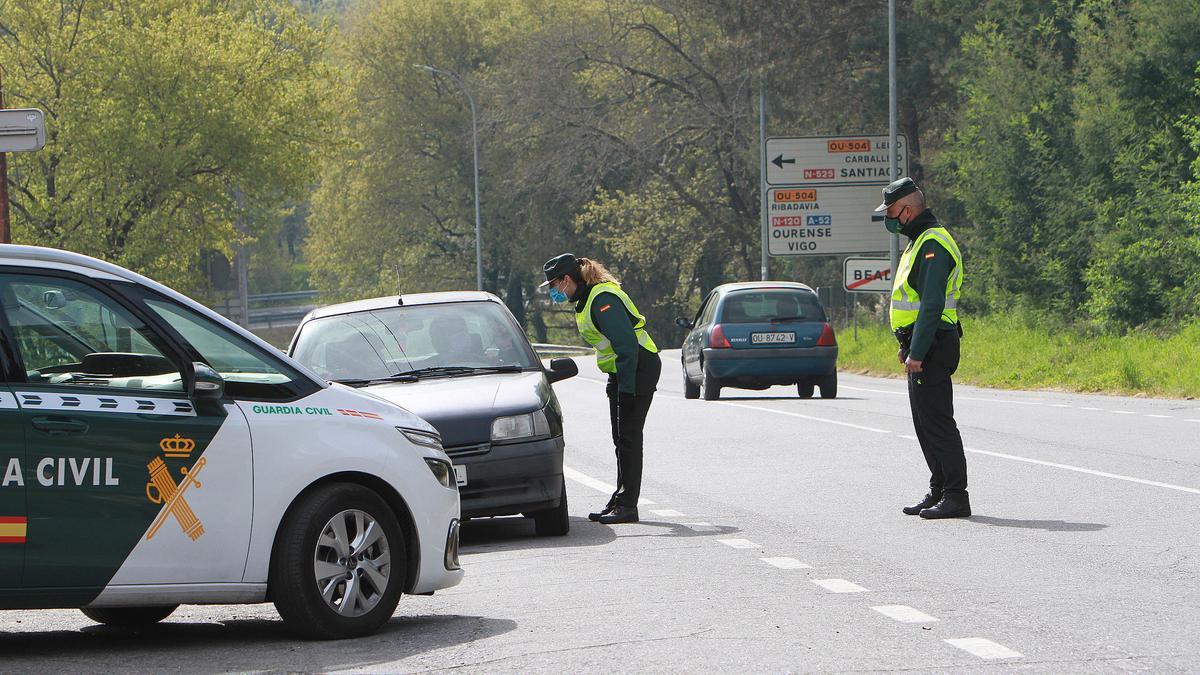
[{"x": 399, "y": 297}]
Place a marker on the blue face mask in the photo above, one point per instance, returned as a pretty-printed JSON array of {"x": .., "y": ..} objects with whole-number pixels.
[{"x": 557, "y": 295}]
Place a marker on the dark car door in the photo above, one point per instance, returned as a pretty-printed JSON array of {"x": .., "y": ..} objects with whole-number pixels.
[
  {"x": 114, "y": 443},
  {"x": 12, "y": 490},
  {"x": 693, "y": 344}
]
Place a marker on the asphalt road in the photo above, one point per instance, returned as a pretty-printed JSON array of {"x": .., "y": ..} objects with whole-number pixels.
[{"x": 773, "y": 541}]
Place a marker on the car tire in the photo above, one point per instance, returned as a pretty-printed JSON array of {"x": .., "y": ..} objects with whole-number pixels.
[
  {"x": 829, "y": 386},
  {"x": 805, "y": 389},
  {"x": 712, "y": 389},
  {"x": 555, "y": 522},
  {"x": 128, "y": 617},
  {"x": 325, "y": 531},
  {"x": 690, "y": 390}
]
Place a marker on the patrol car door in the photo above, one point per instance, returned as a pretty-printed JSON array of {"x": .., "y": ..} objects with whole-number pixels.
[
  {"x": 12, "y": 490},
  {"x": 127, "y": 480}
]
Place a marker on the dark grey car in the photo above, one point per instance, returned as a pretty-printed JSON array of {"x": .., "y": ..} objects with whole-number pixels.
[{"x": 460, "y": 361}]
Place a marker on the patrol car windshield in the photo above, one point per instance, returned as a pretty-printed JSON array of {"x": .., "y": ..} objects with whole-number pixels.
[
  {"x": 771, "y": 305},
  {"x": 460, "y": 338}
]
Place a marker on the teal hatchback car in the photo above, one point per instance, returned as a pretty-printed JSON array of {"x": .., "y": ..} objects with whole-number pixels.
[{"x": 755, "y": 335}]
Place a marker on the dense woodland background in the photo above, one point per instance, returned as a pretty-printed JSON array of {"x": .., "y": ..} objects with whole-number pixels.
[{"x": 1057, "y": 139}]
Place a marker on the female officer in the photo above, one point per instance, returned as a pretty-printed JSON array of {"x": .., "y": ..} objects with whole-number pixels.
[{"x": 610, "y": 322}]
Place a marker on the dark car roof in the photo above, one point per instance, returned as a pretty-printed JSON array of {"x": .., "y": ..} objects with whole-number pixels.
[
  {"x": 759, "y": 285},
  {"x": 409, "y": 299}
]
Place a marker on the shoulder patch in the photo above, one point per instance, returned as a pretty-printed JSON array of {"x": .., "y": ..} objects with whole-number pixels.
[
  {"x": 929, "y": 255},
  {"x": 605, "y": 308}
]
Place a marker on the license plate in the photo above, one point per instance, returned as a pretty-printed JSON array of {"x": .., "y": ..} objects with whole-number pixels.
[
  {"x": 460, "y": 474},
  {"x": 771, "y": 338}
]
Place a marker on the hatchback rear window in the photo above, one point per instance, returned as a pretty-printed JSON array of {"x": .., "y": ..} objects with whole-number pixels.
[{"x": 763, "y": 306}]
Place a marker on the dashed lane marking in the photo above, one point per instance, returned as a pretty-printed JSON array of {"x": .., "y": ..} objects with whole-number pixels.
[
  {"x": 956, "y": 398},
  {"x": 904, "y": 614},
  {"x": 666, "y": 513},
  {"x": 839, "y": 586},
  {"x": 786, "y": 563},
  {"x": 983, "y": 648},
  {"x": 739, "y": 543},
  {"x": 597, "y": 485},
  {"x": 911, "y": 438},
  {"x": 1061, "y": 405},
  {"x": 1095, "y": 409},
  {"x": 1161, "y": 417},
  {"x": 1122, "y": 412},
  {"x": 805, "y": 417},
  {"x": 1193, "y": 420}
]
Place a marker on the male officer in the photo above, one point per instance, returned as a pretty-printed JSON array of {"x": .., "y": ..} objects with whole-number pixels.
[{"x": 924, "y": 314}]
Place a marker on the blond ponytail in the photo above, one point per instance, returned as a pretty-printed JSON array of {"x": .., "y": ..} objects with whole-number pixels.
[{"x": 594, "y": 273}]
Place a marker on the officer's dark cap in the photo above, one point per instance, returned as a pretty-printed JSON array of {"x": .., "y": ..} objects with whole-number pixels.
[
  {"x": 897, "y": 190},
  {"x": 559, "y": 266}
]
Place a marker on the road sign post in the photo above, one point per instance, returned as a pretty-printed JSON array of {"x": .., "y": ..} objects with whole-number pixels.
[{"x": 21, "y": 130}]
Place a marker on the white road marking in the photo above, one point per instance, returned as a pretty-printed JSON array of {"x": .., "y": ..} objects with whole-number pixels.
[
  {"x": 805, "y": 417},
  {"x": 983, "y": 648},
  {"x": 739, "y": 543},
  {"x": 1061, "y": 405},
  {"x": 911, "y": 438},
  {"x": 667, "y": 513},
  {"x": 956, "y": 398},
  {"x": 1080, "y": 469},
  {"x": 597, "y": 485},
  {"x": 904, "y": 614},
  {"x": 1193, "y": 420},
  {"x": 1122, "y": 412},
  {"x": 1161, "y": 417},
  {"x": 1083, "y": 408},
  {"x": 786, "y": 563},
  {"x": 839, "y": 586}
]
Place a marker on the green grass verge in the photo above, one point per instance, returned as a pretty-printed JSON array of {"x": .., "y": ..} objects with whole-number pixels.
[{"x": 1020, "y": 353}]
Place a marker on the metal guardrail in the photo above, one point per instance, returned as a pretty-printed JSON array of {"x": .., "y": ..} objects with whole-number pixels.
[
  {"x": 278, "y": 297},
  {"x": 543, "y": 348}
]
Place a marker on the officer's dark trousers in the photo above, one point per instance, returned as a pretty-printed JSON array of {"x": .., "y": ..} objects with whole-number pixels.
[
  {"x": 628, "y": 420},
  {"x": 931, "y": 396}
]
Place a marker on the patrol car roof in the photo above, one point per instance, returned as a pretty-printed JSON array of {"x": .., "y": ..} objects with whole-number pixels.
[
  {"x": 753, "y": 285},
  {"x": 408, "y": 299},
  {"x": 52, "y": 258}
]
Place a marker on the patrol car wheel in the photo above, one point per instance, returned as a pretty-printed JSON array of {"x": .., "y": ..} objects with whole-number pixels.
[
  {"x": 339, "y": 565},
  {"x": 829, "y": 387},
  {"x": 805, "y": 389},
  {"x": 128, "y": 616},
  {"x": 712, "y": 390},
  {"x": 690, "y": 390},
  {"x": 555, "y": 522}
]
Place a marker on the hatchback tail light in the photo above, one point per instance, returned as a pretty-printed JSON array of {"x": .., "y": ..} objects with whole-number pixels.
[
  {"x": 717, "y": 339},
  {"x": 827, "y": 339}
]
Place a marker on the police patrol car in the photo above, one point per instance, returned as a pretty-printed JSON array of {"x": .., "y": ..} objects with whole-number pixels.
[{"x": 152, "y": 453}]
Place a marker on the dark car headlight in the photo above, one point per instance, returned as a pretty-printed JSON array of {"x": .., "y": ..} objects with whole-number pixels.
[
  {"x": 443, "y": 472},
  {"x": 516, "y": 427}
]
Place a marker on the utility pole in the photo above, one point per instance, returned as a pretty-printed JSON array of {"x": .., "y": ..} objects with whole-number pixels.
[
  {"x": 5, "y": 227},
  {"x": 475, "y": 149},
  {"x": 762, "y": 164},
  {"x": 242, "y": 264},
  {"x": 895, "y": 243}
]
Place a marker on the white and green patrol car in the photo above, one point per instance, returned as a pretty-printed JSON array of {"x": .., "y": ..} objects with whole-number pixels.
[{"x": 152, "y": 453}]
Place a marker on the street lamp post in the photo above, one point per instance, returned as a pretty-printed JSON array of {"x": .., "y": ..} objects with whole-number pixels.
[{"x": 475, "y": 150}]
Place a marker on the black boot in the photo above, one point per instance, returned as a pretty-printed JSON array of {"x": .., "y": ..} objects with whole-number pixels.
[
  {"x": 620, "y": 514},
  {"x": 930, "y": 499},
  {"x": 597, "y": 515},
  {"x": 951, "y": 506}
]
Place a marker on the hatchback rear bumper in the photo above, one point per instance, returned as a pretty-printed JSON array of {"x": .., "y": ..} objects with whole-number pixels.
[{"x": 771, "y": 365}]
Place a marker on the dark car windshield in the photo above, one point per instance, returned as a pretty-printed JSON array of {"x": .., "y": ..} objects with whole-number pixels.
[
  {"x": 765, "y": 305},
  {"x": 450, "y": 338}
]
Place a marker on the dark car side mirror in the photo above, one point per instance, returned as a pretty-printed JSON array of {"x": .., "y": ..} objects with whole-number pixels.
[
  {"x": 684, "y": 322},
  {"x": 561, "y": 369},
  {"x": 207, "y": 384}
]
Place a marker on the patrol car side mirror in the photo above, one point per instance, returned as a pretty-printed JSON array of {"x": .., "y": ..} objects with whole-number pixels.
[
  {"x": 207, "y": 384},
  {"x": 561, "y": 369},
  {"x": 684, "y": 322}
]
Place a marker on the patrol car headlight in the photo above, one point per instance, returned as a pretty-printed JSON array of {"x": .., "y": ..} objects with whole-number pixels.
[
  {"x": 442, "y": 472},
  {"x": 425, "y": 439},
  {"x": 529, "y": 425}
]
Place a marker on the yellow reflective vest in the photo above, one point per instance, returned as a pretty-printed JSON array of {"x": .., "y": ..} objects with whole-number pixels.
[
  {"x": 606, "y": 357},
  {"x": 906, "y": 302}
]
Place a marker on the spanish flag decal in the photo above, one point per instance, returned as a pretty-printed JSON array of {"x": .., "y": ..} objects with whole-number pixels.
[
  {"x": 605, "y": 308},
  {"x": 12, "y": 529},
  {"x": 929, "y": 255}
]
